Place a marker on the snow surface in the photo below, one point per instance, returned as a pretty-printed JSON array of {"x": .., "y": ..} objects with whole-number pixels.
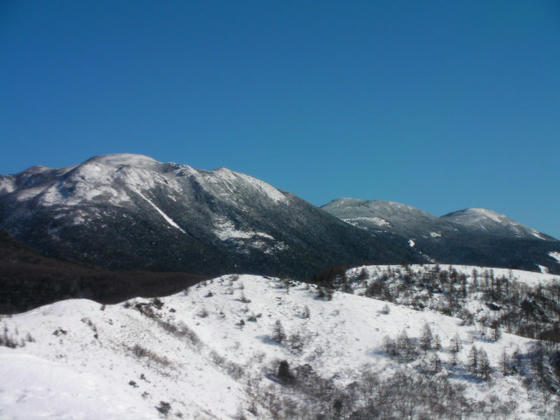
[
  {"x": 486, "y": 219},
  {"x": 486, "y": 213},
  {"x": 196, "y": 354},
  {"x": 537, "y": 234},
  {"x": 375, "y": 220},
  {"x": 411, "y": 243},
  {"x": 6, "y": 185},
  {"x": 543, "y": 269},
  {"x": 112, "y": 177},
  {"x": 225, "y": 229},
  {"x": 128, "y": 159},
  {"x": 531, "y": 278},
  {"x": 555, "y": 255},
  {"x": 165, "y": 216},
  {"x": 43, "y": 389},
  {"x": 261, "y": 186}
]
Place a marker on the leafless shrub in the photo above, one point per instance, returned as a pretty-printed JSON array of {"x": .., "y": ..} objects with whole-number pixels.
[
  {"x": 202, "y": 313},
  {"x": 143, "y": 353}
]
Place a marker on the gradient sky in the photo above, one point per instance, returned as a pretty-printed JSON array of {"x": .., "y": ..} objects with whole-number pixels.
[{"x": 442, "y": 105}]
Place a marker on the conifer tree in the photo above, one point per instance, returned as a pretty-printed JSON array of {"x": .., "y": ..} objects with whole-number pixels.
[
  {"x": 473, "y": 360},
  {"x": 426, "y": 338},
  {"x": 278, "y": 334}
]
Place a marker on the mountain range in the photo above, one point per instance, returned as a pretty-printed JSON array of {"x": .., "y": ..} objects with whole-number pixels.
[
  {"x": 471, "y": 236},
  {"x": 126, "y": 211},
  {"x": 170, "y": 336}
]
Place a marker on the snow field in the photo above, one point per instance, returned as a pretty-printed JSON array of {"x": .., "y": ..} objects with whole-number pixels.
[{"x": 197, "y": 350}]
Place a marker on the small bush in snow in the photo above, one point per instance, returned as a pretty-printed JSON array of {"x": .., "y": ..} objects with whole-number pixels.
[
  {"x": 11, "y": 340},
  {"x": 390, "y": 346},
  {"x": 202, "y": 313},
  {"x": 284, "y": 375},
  {"x": 296, "y": 342},
  {"x": 164, "y": 408},
  {"x": 243, "y": 298},
  {"x": 324, "y": 293},
  {"x": 180, "y": 330},
  {"x": 363, "y": 275},
  {"x": 142, "y": 352}
]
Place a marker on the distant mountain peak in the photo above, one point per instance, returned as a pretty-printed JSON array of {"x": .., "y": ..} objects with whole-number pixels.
[
  {"x": 472, "y": 235},
  {"x": 119, "y": 159},
  {"x": 353, "y": 207},
  {"x": 477, "y": 213}
]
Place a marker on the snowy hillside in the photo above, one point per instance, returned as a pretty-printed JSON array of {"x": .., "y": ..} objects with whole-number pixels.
[
  {"x": 491, "y": 221},
  {"x": 258, "y": 347}
]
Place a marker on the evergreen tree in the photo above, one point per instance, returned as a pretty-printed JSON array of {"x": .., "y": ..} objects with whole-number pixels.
[
  {"x": 426, "y": 338},
  {"x": 496, "y": 332},
  {"x": 278, "y": 334},
  {"x": 484, "y": 368},
  {"x": 436, "y": 342},
  {"x": 456, "y": 344},
  {"x": 435, "y": 362},
  {"x": 473, "y": 360},
  {"x": 505, "y": 363},
  {"x": 405, "y": 346}
]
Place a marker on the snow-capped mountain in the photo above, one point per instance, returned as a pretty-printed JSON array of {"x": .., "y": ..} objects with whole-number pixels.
[
  {"x": 470, "y": 236},
  {"x": 258, "y": 347},
  {"x": 488, "y": 221},
  {"x": 132, "y": 212}
]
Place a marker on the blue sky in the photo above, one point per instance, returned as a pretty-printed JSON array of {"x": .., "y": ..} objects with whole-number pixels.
[{"x": 442, "y": 105}]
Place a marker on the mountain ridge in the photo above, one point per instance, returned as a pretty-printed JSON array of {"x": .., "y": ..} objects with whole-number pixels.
[
  {"x": 469, "y": 236},
  {"x": 128, "y": 212}
]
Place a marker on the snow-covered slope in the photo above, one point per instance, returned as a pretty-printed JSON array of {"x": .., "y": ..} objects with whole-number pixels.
[
  {"x": 117, "y": 178},
  {"x": 214, "y": 352},
  {"x": 133, "y": 212},
  {"x": 382, "y": 215},
  {"x": 493, "y": 222},
  {"x": 470, "y": 236}
]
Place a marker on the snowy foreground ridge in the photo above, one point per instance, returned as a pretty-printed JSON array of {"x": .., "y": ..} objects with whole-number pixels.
[{"x": 242, "y": 346}]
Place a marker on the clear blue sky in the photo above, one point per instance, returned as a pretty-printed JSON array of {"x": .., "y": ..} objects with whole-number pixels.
[{"x": 438, "y": 104}]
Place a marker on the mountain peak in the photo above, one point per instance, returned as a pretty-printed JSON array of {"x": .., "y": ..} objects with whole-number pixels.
[
  {"x": 120, "y": 159},
  {"x": 353, "y": 207},
  {"x": 478, "y": 213}
]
